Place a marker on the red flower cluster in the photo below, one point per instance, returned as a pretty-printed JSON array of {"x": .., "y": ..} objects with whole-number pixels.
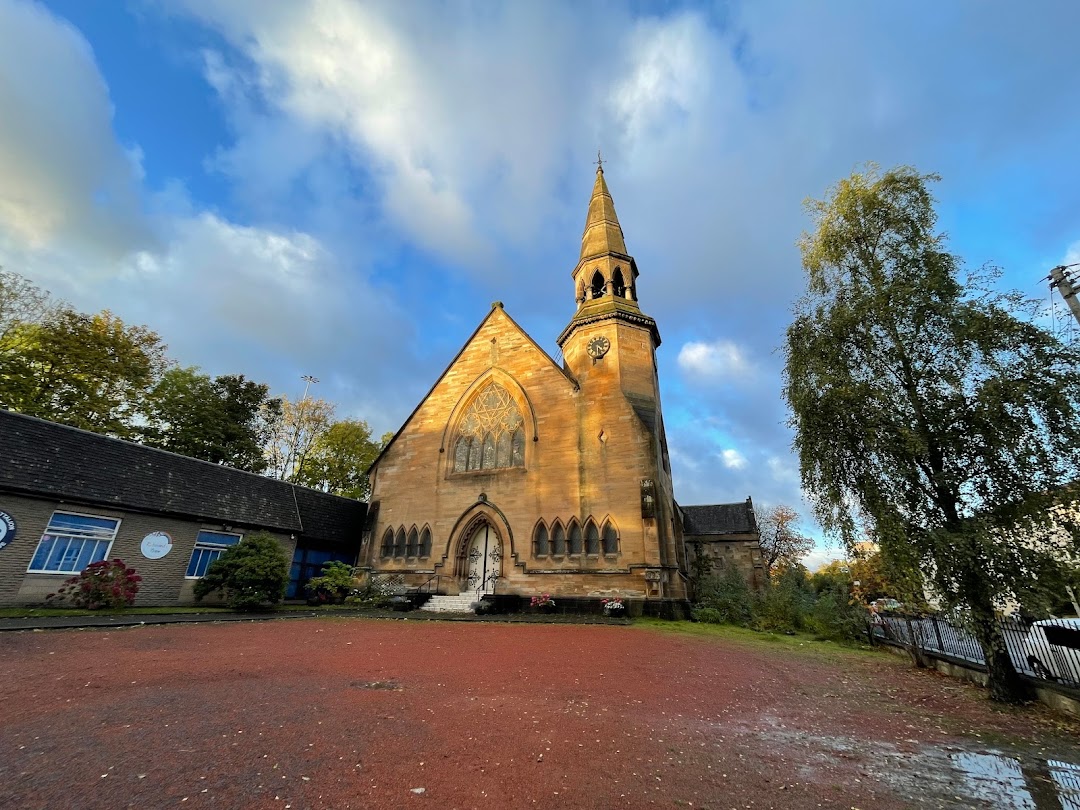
[{"x": 105, "y": 584}]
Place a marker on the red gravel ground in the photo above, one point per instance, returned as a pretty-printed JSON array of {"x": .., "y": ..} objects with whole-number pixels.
[{"x": 361, "y": 713}]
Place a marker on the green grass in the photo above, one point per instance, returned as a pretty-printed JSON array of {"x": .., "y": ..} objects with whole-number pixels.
[{"x": 726, "y": 632}]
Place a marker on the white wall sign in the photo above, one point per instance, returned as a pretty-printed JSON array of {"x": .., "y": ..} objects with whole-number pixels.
[
  {"x": 156, "y": 545},
  {"x": 7, "y": 529}
]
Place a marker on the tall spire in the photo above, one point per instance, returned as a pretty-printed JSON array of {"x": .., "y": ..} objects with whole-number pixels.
[{"x": 603, "y": 234}]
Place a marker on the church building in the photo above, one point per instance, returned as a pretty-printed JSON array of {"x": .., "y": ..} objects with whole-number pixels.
[{"x": 520, "y": 475}]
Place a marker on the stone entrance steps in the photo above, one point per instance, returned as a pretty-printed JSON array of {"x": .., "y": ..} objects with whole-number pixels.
[{"x": 450, "y": 604}]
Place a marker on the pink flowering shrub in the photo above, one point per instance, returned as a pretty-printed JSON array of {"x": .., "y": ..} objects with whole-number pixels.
[
  {"x": 105, "y": 584},
  {"x": 544, "y": 600}
]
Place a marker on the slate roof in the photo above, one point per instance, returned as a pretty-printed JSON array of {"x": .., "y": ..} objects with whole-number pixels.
[
  {"x": 48, "y": 459},
  {"x": 719, "y": 518}
]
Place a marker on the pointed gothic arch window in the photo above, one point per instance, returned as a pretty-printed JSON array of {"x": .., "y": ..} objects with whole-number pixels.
[
  {"x": 399, "y": 544},
  {"x": 558, "y": 540},
  {"x": 388, "y": 543},
  {"x": 540, "y": 540},
  {"x": 412, "y": 547},
  {"x": 618, "y": 285},
  {"x": 610, "y": 537},
  {"x": 597, "y": 285},
  {"x": 573, "y": 538},
  {"x": 592, "y": 538},
  {"x": 425, "y": 542},
  {"x": 491, "y": 432}
]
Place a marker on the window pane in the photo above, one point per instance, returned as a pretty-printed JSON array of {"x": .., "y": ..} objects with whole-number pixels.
[
  {"x": 489, "y": 452},
  {"x": 425, "y": 543},
  {"x": 217, "y": 538},
  {"x": 541, "y": 541},
  {"x": 611, "y": 539},
  {"x": 558, "y": 540},
  {"x": 461, "y": 455},
  {"x": 592, "y": 539},
  {"x": 59, "y": 554},
  {"x": 87, "y": 554},
  {"x": 575, "y": 539},
  {"x": 517, "y": 450},
  {"x": 502, "y": 450},
  {"x": 61, "y": 522},
  {"x": 41, "y": 556}
]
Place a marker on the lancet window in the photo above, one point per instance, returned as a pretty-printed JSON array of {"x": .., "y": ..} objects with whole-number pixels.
[
  {"x": 592, "y": 538},
  {"x": 558, "y": 540},
  {"x": 611, "y": 539},
  {"x": 540, "y": 541},
  {"x": 491, "y": 434},
  {"x": 573, "y": 539}
]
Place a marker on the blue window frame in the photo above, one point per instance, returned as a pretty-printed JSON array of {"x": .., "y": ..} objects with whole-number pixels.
[
  {"x": 208, "y": 547},
  {"x": 71, "y": 542}
]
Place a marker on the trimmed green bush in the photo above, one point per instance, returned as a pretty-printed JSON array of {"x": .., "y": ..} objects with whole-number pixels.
[
  {"x": 251, "y": 575},
  {"x": 333, "y": 585}
]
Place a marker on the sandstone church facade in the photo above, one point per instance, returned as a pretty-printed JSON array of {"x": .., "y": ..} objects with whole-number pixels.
[{"x": 516, "y": 474}]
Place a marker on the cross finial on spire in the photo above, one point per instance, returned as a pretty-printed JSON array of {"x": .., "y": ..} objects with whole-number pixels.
[{"x": 599, "y": 162}]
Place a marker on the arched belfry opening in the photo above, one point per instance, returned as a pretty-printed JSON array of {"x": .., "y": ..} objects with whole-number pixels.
[
  {"x": 598, "y": 284},
  {"x": 618, "y": 285}
]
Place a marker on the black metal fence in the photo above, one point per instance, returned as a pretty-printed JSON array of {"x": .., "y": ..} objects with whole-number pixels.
[{"x": 1048, "y": 650}]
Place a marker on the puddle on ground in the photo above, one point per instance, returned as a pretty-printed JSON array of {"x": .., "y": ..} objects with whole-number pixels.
[
  {"x": 1066, "y": 778},
  {"x": 931, "y": 775},
  {"x": 997, "y": 780}
]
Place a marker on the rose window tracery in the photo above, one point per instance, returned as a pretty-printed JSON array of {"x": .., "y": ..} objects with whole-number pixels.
[{"x": 491, "y": 434}]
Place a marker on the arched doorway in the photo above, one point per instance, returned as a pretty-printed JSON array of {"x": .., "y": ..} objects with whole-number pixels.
[{"x": 481, "y": 563}]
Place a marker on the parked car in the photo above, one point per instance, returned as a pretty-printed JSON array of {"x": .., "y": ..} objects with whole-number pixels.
[{"x": 1053, "y": 649}]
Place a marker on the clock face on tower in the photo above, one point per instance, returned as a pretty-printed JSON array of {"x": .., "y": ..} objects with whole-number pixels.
[{"x": 598, "y": 347}]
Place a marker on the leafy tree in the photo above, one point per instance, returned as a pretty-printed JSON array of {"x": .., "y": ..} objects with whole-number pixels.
[
  {"x": 293, "y": 436},
  {"x": 22, "y": 304},
  {"x": 926, "y": 411},
  {"x": 339, "y": 459},
  {"x": 781, "y": 543},
  {"x": 89, "y": 371},
  {"x": 224, "y": 420},
  {"x": 251, "y": 575}
]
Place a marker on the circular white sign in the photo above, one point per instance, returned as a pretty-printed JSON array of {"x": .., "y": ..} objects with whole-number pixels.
[{"x": 156, "y": 545}]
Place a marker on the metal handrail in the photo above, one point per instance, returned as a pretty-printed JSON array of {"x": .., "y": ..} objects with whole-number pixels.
[{"x": 420, "y": 588}]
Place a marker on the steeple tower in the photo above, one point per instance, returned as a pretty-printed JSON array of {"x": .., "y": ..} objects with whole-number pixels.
[{"x": 605, "y": 278}]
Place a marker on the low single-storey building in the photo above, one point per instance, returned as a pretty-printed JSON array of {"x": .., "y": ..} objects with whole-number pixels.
[{"x": 69, "y": 497}]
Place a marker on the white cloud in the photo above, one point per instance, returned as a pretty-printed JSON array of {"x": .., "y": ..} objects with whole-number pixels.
[
  {"x": 719, "y": 359},
  {"x": 62, "y": 168},
  {"x": 76, "y": 217},
  {"x": 733, "y": 459},
  {"x": 821, "y": 556}
]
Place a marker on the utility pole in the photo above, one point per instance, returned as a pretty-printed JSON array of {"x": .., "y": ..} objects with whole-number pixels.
[{"x": 1062, "y": 278}]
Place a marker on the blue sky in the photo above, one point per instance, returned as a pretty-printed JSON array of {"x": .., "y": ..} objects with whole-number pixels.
[{"x": 341, "y": 188}]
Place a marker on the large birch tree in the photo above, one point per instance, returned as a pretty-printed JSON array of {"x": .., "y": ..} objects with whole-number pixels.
[{"x": 927, "y": 409}]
